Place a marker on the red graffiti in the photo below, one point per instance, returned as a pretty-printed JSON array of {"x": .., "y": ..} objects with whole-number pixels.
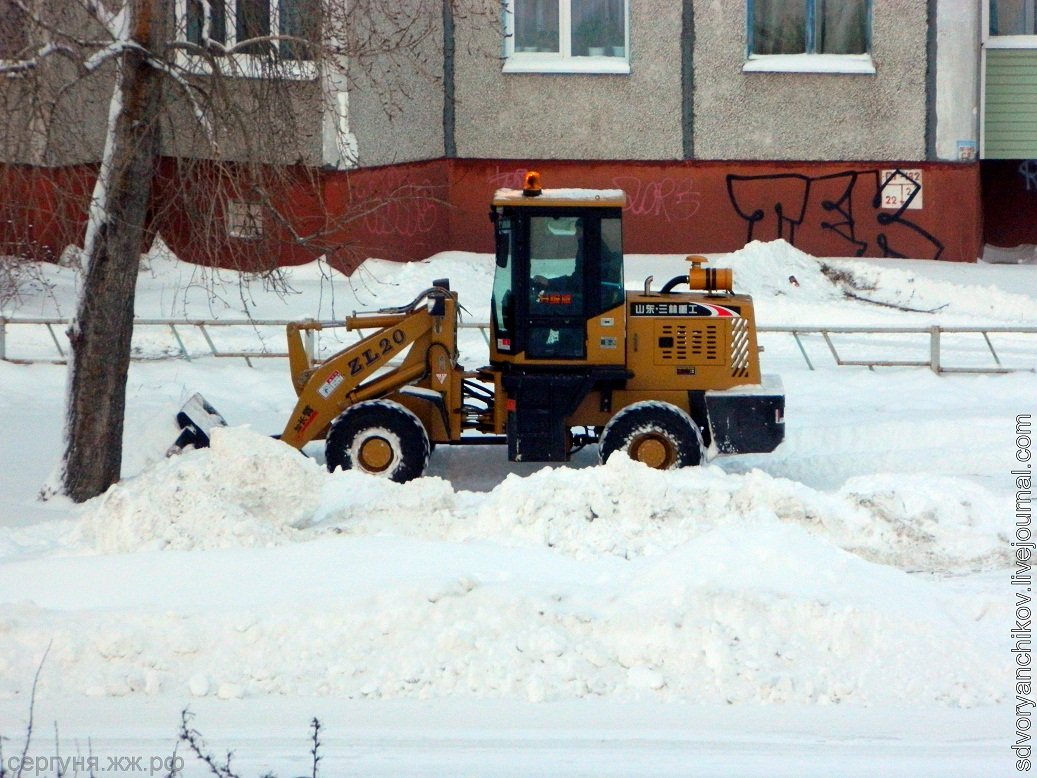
[
  {"x": 667, "y": 199},
  {"x": 508, "y": 179},
  {"x": 410, "y": 209}
]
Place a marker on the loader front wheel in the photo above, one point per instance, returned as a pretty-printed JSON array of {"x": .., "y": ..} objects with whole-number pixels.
[
  {"x": 658, "y": 434},
  {"x": 378, "y": 437}
]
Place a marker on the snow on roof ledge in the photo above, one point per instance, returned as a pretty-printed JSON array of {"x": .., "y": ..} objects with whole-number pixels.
[{"x": 615, "y": 197}]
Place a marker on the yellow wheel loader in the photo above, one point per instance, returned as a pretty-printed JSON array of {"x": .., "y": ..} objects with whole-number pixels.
[{"x": 575, "y": 359}]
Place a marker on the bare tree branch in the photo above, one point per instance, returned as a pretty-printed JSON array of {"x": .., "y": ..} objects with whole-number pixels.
[
  {"x": 189, "y": 91},
  {"x": 18, "y": 67},
  {"x": 152, "y": 118},
  {"x": 114, "y": 23},
  {"x": 32, "y": 712}
]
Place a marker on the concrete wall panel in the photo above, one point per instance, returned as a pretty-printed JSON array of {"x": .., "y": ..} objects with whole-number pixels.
[
  {"x": 957, "y": 76},
  {"x": 396, "y": 102},
  {"x": 810, "y": 116},
  {"x": 568, "y": 116}
]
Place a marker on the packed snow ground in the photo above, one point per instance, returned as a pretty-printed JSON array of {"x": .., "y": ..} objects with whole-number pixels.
[{"x": 864, "y": 563}]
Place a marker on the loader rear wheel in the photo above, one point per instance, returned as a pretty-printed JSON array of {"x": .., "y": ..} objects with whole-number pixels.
[
  {"x": 658, "y": 434},
  {"x": 378, "y": 437}
]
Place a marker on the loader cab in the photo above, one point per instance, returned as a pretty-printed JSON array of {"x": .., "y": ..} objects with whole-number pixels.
[{"x": 558, "y": 287}]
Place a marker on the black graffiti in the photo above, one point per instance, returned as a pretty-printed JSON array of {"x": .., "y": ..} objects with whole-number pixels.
[
  {"x": 802, "y": 204},
  {"x": 1028, "y": 170}
]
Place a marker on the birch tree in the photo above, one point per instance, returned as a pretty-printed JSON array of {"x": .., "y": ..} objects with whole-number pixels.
[{"x": 212, "y": 84}]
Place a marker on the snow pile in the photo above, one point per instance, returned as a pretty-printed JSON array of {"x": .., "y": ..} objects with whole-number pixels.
[
  {"x": 739, "y": 614},
  {"x": 247, "y": 490},
  {"x": 930, "y": 523},
  {"x": 627, "y": 510},
  {"x": 620, "y": 581},
  {"x": 911, "y": 290},
  {"x": 763, "y": 269}
]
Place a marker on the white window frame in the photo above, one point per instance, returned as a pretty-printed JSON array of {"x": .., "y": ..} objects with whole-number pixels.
[
  {"x": 1002, "y": 41},
  {"x": 841, "y": 64},
  {"x": 244, "y": 65},
  {"x": 563, "y": 60}
]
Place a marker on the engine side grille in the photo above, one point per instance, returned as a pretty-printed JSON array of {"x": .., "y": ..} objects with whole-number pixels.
[
  {"x": 739, "y": 348},
  {"x": 705, "y": 344},
  {"x": 677, "y": 335}
]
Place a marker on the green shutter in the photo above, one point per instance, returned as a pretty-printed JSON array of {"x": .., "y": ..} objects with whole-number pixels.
[{"x": 1010, "y": 110}]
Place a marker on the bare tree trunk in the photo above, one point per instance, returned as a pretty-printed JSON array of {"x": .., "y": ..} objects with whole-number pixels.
[
  {"x": 240, "y": 110},
  {"x": 101, "y": 333}
]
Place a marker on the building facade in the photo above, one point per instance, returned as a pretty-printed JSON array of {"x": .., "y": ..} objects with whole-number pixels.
[{"x": 852, "y": 128}]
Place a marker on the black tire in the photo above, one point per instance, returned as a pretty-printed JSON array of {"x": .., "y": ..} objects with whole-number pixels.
[
  {"x": 658, "y": 434},
  {"x": 378, "y": 437}
]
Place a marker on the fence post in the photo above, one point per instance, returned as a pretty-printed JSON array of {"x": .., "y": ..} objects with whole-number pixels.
[
  {"x": 3, "y": 339},
  {"x": 803, "y": 351},
  {"x": 934, "y": 348},
  {"x": 183, "y": 350}
]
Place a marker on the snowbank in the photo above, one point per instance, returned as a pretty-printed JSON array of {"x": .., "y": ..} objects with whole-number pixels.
[
  {"x": 793, "y": 287},
  {"x": 620, "y": 581},
  {"x": 247, "y": 570},
  {"x": 249, "y": 490},
  {"x": 769, "y": 615},
  {"x": 246, "y": 490}
]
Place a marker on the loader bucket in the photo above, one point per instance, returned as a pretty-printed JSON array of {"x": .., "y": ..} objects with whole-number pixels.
[{"x": 196, "y": 420}]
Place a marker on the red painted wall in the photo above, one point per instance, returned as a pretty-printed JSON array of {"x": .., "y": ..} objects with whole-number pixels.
[
  {"x": 825, "y": 209},
  {"x": 43, "y": 210},
  {"x": 413, "y": 210},
  {"x": 396, "y": 212}
]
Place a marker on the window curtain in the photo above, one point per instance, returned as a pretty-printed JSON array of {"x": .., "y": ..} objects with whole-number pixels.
[
  {"x": 842, "y": 26},
  {"x": 779, "y": 26},
  {"x": 217, "y": 21},
  {"x": 1009, "y": 17},
  {"x": 536, "y": 25},
  {"x": 598, "y": 25},
  {"x": 300, "y": 18}
]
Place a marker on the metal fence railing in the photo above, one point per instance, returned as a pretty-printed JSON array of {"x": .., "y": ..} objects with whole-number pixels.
[
  {"x": 933, "y": 340},
  {"x": 43, "y": 340}
]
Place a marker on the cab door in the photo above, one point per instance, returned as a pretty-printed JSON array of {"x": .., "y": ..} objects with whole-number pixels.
[{"x": 556, "y": 316}]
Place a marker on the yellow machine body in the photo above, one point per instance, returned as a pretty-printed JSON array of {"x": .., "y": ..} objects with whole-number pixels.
[{"x": 575, "y": 358}]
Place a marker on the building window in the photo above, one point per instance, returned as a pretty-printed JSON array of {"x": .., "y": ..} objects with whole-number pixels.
[
  {"x": 14, "y": 31},
  {"x": 232, "y": 22},
  {"x": 803, "y": 29},
  {"x": 1013, "y": 17},
  {"x": 567, "y": 36},
  {"x": 244, "y": 219},
  {"x": 809, "y": 26}
]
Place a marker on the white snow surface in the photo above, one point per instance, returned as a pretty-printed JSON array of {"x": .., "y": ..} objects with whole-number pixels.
[
  {"x": 562, "y": 194},
  {"x": 865, "y": 562}
]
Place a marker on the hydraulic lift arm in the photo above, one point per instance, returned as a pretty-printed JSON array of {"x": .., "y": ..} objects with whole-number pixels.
[{"x": 357, "y": 373}]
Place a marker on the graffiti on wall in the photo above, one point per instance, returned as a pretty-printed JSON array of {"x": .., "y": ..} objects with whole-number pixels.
[
  {"x": 669, "y": 199},
  {"x": 398, "y": 205},
  {"x": 808, "y": 210},
  {"x": 508, "y": 179},
  {"x": 664, "y": 198},
  {"x": 848, "y": 213},
  {"x": 1028, "y": 170}
]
